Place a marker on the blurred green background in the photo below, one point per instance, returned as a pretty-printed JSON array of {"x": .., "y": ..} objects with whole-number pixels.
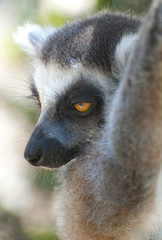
[{"x": 26, "y": 193}]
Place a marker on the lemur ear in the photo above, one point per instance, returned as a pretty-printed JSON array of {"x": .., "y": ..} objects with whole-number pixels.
[
  {"x": 124, "y": 47},
  {"x": 30, "y": 37}
]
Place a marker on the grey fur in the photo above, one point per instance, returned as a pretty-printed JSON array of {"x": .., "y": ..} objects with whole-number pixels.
[
  {"x": 111, "y": 187},
  {"x": 90, "y": 41},
  {"x": 117, "y": 193}
]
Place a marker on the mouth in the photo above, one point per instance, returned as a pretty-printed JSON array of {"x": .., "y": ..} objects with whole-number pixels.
[
  {"x": 34, "y": 162},
  {"x": 53, "y": 158}
]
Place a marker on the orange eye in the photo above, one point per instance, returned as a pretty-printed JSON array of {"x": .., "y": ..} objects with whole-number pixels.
[{"x": 82, "y": 107}]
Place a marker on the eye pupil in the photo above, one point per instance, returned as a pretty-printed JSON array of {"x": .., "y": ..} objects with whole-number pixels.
[{"x": 82, "y": 107}]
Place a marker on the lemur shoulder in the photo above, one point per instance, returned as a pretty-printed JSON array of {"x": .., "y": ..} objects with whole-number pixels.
[{"x": 99, "y": 84}]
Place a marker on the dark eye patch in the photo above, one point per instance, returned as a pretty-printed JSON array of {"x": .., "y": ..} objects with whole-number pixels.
[{"x": 81, "y": 91}]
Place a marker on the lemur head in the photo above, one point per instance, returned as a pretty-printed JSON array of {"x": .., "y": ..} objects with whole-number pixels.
[{"x": 75, "y": 70}]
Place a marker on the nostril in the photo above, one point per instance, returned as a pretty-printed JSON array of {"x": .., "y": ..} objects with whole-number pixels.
[{"x": 33, "y": 158}]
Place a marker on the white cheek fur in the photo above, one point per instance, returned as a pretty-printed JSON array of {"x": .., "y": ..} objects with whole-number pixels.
[{"x": 52, "y": 82}]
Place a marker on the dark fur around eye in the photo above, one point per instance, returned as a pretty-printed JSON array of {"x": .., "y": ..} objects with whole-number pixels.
[{"x": 80, "y": 92}]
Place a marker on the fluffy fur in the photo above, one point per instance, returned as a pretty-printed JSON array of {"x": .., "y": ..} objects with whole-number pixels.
[{"x": 111, "y": 178}]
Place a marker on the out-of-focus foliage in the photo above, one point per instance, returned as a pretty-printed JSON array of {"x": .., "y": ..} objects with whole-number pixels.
[
  {"x": 45, "y": 235},
  {"x": 44, "y": 179},
  {"x": 26, "y": 10},
  {"x": 52, "y": 18},
  {"x": 26, "y": 110},
  {"x": 104, "y": 4},
  {"x": 10, "y": 227},
  {"x": 133, "y": 6}
]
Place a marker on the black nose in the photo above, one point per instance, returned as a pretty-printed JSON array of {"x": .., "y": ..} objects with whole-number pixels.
[
  {"x": 33, "y": 150},
  {"x": 32, "y": 158},
  {"x": 33, "y": 154}
]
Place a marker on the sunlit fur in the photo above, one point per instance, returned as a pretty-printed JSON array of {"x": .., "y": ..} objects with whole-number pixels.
[{"x": 110, "y": 157}]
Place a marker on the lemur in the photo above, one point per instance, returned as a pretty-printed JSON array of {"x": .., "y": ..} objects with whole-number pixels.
[{"x": 98, "y": 82}]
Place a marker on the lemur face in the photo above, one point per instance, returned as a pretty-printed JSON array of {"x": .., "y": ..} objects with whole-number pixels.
[
  {"x": 71, "y": 112},
  {"x": 74, "y": 68}
]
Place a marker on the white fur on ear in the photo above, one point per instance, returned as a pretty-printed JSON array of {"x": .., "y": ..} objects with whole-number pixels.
[
  {"x": 31, "y": 36},
  {"x": 124, "y": 47}
]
